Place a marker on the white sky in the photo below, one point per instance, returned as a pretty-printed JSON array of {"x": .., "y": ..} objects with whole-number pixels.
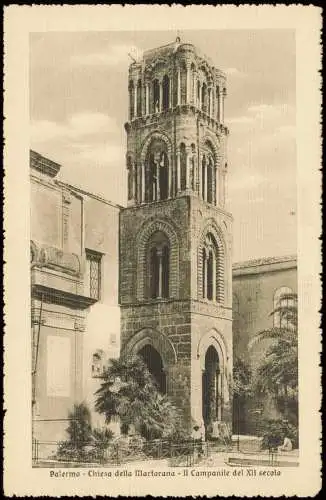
[{"x": 78, "y": 106}]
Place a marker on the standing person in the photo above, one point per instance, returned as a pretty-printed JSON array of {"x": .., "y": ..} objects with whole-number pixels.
[{"x": 196, "y": 436}]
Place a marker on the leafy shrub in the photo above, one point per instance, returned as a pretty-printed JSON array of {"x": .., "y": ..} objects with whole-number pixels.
[
  {"x": 84, "y": 444},
  {"x": 273, "y": 433}
]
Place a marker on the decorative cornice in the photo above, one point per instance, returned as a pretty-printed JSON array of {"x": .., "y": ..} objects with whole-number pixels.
[
  {"x": 156, "y": 118},
  {"x": 264, "y": 264},
  {"x": 61, "y": 297}
]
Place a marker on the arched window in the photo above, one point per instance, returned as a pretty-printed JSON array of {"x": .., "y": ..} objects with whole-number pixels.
[
  {"x": 131, "y": 99},
  {"x": 183, "y": 166},
  {"x": 208, "y": 173},
  {"x": 193, "y": 83},
  {"x": 130, "y": 178},
  {"x": 157, "y": 171},
  {"x": 210, "y": 269},
  {"x": 204, "y": 97},
  {"x": 166, "y": 92},
  {"x": 158, "y": 265},
  {"x": 139, "y": 98},
  {"x": 203, "y": 176},
  {"x": 284, "y": 298},
  {"x": 192, "y": 180},
  {"x": 156, "y": 96}
]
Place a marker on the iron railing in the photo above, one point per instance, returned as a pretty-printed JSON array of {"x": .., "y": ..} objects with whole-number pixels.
[{"x": 121, "y": 451}]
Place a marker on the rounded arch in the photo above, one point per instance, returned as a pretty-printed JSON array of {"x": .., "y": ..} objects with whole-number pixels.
[
  {"x": 212, "y": 229},
  {"x": 160, "y": 342},
  {"x": 145, "y": 233},
  {"x": 156, "y": 135},
  {"x": 283, "y": 295},
  {"x": 213, "y": 144},
  {"x": 215, "y": 339}
]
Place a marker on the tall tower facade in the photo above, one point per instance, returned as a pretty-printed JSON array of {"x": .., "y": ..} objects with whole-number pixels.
[{"x": 175, "y": 234}]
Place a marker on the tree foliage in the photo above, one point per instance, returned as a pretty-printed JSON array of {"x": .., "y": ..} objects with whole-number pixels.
[
  {"x": 241, "y": 384},
  {"x": 277, "y": 371},
  {"x": 128, "y": 390}
]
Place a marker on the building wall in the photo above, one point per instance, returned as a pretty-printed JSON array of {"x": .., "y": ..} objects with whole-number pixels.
[
  {"x": 68, "y": 325},
  {"x": 254, "y": 287}
]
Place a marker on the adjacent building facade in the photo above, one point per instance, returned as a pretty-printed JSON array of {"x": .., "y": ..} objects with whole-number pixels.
[
  {"x": 74, "y": 309},
  {"x": 258, "y": 288}
]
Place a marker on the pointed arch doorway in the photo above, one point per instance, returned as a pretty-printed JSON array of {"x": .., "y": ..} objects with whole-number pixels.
[
  {"x": 211, "y": 388},
  {"x": 154, "y": 363}
]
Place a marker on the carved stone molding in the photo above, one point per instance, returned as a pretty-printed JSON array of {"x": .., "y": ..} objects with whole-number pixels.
[{"x": 56, "y": 259}]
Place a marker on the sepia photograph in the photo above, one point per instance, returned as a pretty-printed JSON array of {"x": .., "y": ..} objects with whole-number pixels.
[{"x": 164, "y": 246}]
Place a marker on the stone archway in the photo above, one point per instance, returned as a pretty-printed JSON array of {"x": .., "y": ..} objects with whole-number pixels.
[
  {"x": 211, "y": 388},
  {"x": 158, "y": 353},
  {"x": 154, "y": 363},
  {"x": 160, "y": 342},
  {"x": 212, "y": 376}
]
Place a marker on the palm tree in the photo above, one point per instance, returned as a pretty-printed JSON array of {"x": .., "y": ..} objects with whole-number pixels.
[
  {"x": 128, "y": 390},
  {"x": 277, "y": 371}
]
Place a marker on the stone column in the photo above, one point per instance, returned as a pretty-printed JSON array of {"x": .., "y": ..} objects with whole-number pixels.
[
  {"x": 135, "y": 101},
  {"x": 204, "y": 274},
  {"x": 217, "y": 182},
  {"x": 147, "y": 99},
  {"x": 200, "y": 172},
  {"x": 194, "y": 173},
  {"x": 170, "y": 180},
  {"x": 188, "y": 85},
  {"x": 214, "y": 278},
  {"x": 161, "y": 95},
  {"x": 219, "y": 396},
  {"x": 188, "y": 166},
  {"x": 134, "y": 173},
  {"x": 130, "y": 102},
  {"x": 178, "y": 87},
  {"x": 194, "y": 90},
  {"x": 219, "y": 105},
  {"x": 200, "y": 96},
  {"x": 222, "y": 95},
  {"x": 158, "y": 193},
  {"x": 211, "y": 102},
  {"x": 143, "y": 182},
  {"x": 221, "y": 186},
  {"x": 170, "y": 93},
  {"x": 160, "y": 271},
  {"x": 178, "y": 173},
  {"x": 205, "y": 181}
]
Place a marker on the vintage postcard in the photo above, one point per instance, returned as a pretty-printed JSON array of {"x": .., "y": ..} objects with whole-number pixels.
[{"x": 162, "y": 223}]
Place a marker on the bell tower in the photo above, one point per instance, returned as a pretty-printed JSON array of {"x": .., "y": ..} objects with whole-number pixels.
[{"x": 175, "y": 234}]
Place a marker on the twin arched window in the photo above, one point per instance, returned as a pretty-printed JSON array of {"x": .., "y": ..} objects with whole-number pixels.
[
  {"x": 157, "y": 172},
  {"x": 158, "y": 266},
  {"x": 211, "y": 269}
]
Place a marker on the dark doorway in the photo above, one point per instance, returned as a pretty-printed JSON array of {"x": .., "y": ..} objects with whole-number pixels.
[
  {"x": 210, "y": 388},
  {"x": 154, "y": 364}
]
